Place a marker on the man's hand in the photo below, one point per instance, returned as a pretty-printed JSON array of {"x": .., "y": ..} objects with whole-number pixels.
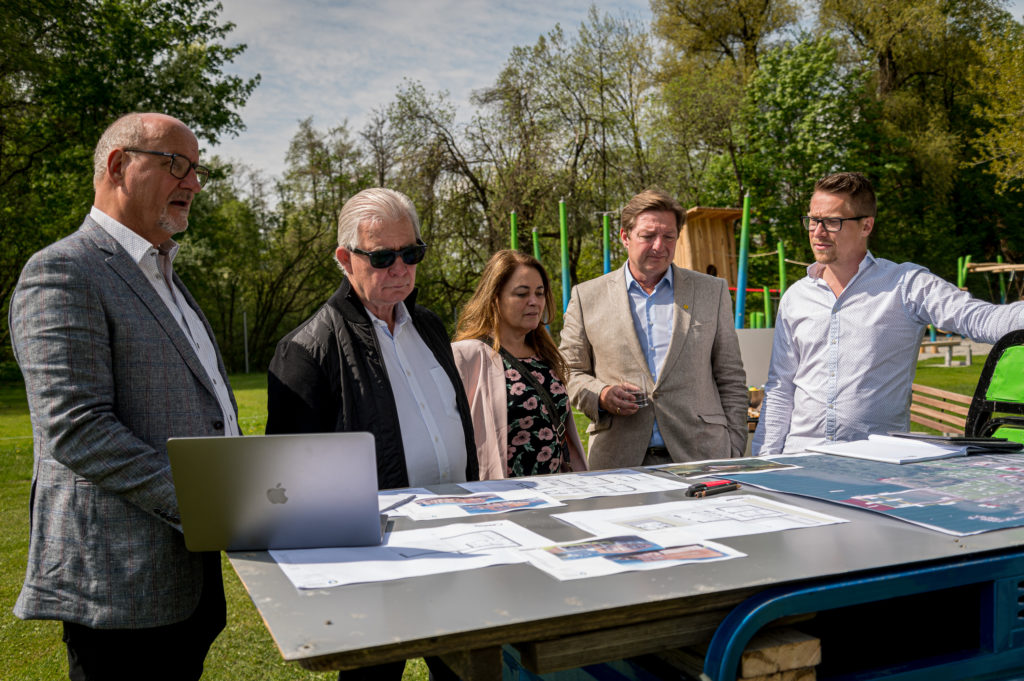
[{"x": 619, "y": 399}]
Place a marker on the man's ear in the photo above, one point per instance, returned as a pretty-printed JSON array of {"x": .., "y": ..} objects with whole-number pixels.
[
  {"x": 116, "y": 162},
  {"x": 867, "y": 224},
  {"x": 624, "y": 237},
  {"x": 344, "y": 257}
]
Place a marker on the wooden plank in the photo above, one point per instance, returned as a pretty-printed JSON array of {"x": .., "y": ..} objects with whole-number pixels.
[
  {"x": 569, "y": 652},
  {"x": 777, "y": 654},
  {"x": 938, "y": 392},
  {"x": 778, "y": 650},
  {"x": 940, "y": 416},
  {"x": 483, "y": 664},
  {"x": 943, "y": 428},
  {"x": 956, "y": 408}
]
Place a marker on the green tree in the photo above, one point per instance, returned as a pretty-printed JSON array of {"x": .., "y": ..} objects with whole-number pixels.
[{"x": 67, "y": 69}]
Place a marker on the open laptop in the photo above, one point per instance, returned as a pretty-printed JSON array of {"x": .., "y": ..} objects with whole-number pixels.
[{"x": 277, "y": 491}]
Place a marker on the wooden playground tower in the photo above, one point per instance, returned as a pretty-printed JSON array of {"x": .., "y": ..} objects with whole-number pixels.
[{"x": 707, "y": 242}]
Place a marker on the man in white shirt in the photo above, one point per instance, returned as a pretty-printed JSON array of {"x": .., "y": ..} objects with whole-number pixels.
[
  {"x": 847, "y": 335},
  {"x": 370, "y": 359}
]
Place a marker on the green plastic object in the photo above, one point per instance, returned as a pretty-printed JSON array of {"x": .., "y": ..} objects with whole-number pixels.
[
  {"x": 1007, "y": 383},
  {"x": 1010, "y": 433}
]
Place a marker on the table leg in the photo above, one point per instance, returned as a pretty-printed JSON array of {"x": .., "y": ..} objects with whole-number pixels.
[{"x": 480, "y": 664}]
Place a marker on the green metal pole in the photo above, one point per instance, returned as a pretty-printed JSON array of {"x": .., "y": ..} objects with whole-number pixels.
[
  {"x": 515, "y": 233},
  {"x": 960, "y": 272},
  {"x": 767, "y": 308},
  {"x": 536, "y": 244},
  {"x": 563, "y": 234},
  {"x": 1002, "y": 282},
  {"x": 607, "y": 229},
  {"x": 741, "y": 278},
  {"x": 782, "y": 268}
]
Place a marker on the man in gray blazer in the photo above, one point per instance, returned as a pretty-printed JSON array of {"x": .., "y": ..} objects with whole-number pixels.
[
  {"x": 653, "y": 325},
  {"x": 117, "y": 357}
]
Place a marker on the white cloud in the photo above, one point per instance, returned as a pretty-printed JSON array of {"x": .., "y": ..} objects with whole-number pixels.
[{"x": 340, "y": 60}]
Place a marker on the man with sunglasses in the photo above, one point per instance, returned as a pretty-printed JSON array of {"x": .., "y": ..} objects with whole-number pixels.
[
  {"x": 118, "y": 357},
  {"x": 371, "y": 359},
  {"x": 847, "y": 335}
]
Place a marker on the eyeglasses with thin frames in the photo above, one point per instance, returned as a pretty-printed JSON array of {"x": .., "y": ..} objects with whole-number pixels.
[
  {"x": 830, "y": 224},
  {"x": 385, "y": 257},
  {"x": 179, "y": 165}
]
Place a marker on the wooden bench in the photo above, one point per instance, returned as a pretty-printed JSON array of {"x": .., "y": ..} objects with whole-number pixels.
[
  {"x": 947, "y": 347},
  {"x": 941, "y": 410}
]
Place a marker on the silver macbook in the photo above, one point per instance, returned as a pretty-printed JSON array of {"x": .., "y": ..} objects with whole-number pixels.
[{"x": 277, "y": 491}]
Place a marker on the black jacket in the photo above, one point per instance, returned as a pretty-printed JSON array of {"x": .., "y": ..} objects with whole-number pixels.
[{"x": 328, "y": 376}]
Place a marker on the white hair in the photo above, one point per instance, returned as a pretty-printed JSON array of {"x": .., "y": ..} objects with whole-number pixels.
[{"x": 373, "y": 206}]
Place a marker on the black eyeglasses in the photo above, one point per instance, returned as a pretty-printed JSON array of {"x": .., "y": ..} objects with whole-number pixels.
[
  {"x": 385, "y": 257},
  {"x": 830, "y": 224},
  {"x": 179, "y": 165}
]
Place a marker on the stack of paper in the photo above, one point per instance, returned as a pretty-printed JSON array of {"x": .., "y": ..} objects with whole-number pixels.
[{"x": 888, "y": 449}]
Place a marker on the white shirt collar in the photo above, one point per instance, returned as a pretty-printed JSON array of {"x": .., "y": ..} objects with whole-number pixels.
[
  {"x": 137, "y": 246},
  {"x": 816, "y": 269}
]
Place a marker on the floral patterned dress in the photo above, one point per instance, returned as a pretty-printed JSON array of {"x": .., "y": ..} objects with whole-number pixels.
[{"x": 533, "y": 447}]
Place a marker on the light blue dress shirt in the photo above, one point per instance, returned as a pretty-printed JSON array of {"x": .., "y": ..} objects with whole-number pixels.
[
  {"x": 653, "y": 315},
  {"x": 842, "y": 368}
]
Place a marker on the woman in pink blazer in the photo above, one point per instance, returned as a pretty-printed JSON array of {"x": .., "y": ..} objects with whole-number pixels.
[{"x": 514, "y": 374}]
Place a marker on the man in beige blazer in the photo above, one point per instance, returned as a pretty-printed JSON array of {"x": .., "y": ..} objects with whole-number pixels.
[{"x": 653, "y": 324}]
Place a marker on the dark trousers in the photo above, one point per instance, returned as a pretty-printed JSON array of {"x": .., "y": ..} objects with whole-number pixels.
[
  {"x": 174, "y": 652},
  {"x": 392, "y": 671}
]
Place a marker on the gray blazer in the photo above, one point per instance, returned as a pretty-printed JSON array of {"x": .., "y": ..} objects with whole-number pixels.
[
  {"x": 110, "y": 376},
  {"x": 700, "y": 398}
]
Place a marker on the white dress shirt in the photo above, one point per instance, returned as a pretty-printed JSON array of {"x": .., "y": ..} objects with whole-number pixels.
[
  {"x": 842, "y": 369},
  {"x": 428, "y": 416},
  {"x": 156, "y": 265}
]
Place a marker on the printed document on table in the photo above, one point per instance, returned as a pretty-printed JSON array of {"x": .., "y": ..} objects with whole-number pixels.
[
  {"x": 607, "y": 483},
  {"x": 435, "y": 506},
  {"x": 677, "y": 522},
  {"x": 610, "y": 555},
  {"x": 410, "y": 553},
  {"x": 888, "y": 449},
  {"x": 394, "y": 501}
]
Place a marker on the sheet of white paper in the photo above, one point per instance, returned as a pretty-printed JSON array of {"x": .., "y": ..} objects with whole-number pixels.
[
  {"x": 435, "y": 506},
  {"x": 582, "y": 485},
  {"x": 888, "y": 449},
  {"x": 390, "y": 497},
  {"x": 410, "y": 553},
  {"x": 611, "y": 555},
  {"x": 678, "y": 522}
]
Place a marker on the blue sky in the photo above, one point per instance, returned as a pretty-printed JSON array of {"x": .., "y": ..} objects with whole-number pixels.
[
  {"x": 336, "y": 60},
  {"x": 339, "y": 60}
]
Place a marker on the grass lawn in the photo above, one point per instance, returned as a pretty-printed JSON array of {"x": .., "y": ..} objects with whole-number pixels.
[{"x": 33, "y": 651}]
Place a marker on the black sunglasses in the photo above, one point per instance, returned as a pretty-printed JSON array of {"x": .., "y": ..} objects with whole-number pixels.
[{"x": 385, "y": 257}]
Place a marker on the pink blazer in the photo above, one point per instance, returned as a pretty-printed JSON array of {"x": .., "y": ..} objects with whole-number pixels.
[{"x": 483, "y": 377}]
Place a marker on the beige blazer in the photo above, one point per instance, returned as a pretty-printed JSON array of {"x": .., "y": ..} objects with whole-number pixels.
[
  {"x": 700, "y": 399},
  {"x": 483, "y": 376}
]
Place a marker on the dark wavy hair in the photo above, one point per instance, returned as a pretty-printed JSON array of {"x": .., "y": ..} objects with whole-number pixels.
[{"x": 480, "y": 316}]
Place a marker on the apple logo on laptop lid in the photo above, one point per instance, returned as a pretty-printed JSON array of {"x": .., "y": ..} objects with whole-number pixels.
[{"x": 277, "y": 494}]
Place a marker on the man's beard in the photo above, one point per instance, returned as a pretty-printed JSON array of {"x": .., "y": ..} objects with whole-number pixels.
[{"x": 171, "y": 225}]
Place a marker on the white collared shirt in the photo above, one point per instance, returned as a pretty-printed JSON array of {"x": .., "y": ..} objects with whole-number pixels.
[
  {"x": 428, "y": 416},
  {"x": 148, "y": 259},
  {"x": 842, "y": 368}
]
